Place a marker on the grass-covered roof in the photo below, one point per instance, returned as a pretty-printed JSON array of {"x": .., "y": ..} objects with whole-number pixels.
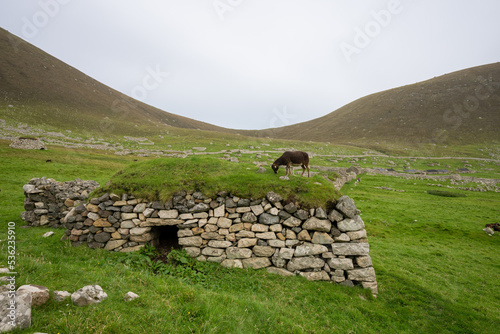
[{"x": 159, "y": 179}]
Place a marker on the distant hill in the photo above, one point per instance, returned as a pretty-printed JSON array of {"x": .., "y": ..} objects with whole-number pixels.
[
  {"x": 44, "y": 90},
  {"x": 457, "y": 108}
]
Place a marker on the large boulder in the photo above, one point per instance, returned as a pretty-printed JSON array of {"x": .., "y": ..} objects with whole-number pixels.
[
  {"x": 39, "y": 294},
  {"x": 15, "y": 310}
]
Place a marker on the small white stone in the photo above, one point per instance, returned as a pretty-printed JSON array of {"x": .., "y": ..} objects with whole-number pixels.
[{"x": 129, "y": 296}]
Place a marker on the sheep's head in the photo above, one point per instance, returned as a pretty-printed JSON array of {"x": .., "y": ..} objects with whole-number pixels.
[{"x": 275, "y": 168}]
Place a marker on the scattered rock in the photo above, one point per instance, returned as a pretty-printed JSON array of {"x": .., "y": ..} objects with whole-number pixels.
[
  {"x": 60, "y": 296},
  {"x": 129, "y": 296},
  {"x": 39, "y": 294},
  {"x": 16, "y": 315},
  {"x": 90, "y": 294},
  {"x": 48, "y": 234},
  {"x": 261, "y": 170}
]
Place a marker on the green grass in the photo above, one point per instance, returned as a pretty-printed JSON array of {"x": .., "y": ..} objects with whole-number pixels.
[
  {"x": 437, "y": 270},
  {"x": 161, "y": 178},
  {"x": 445, "y": 193}
]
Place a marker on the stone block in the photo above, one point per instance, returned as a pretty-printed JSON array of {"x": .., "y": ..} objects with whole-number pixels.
[
  {"x": 279, "y": 271},
  {"x": 342, "y": 264},
  {"x": 362, "y": 275},
  {"x": 370, "y": 285},
  {"x": 350, "y": 225},
  {"x": 249, "y": 217},
  {"x": 346, "y": 205},
  {"x": 220, "y": 211},
  {"x": 128, "y": 216},
  {"x": 286, "y": 253},
  {"x": 263, "y": 251},
  {"x": 257, "y": 209},
  {"x": 266, "y": 235},
  {"x": 276, "y": 243},
  {"x": 315, "y": 224},
  {"x": 247, "y": 242},
  {"x": 209, "y": 251},
  {"x": 361, "y": 234},
  {"x": 260, "y": 228},
  {"x": 112, "y": 244},
  {"x": 193, "y": 251},
  {"x": 168, "y": 214},
  {"x": 238, "y": 253},
  {"x": 127, "y": 224},
  {"x": 245, "y": 234},
  {"x": 364, "y": 261},
  {"x": 256, "y": 262},
  {"x": 212, "y": 236},
  {"x": 102, "y": 237},
  {"x": 223, "y": 222},
  {"x": 140, "y": 208},
  {"x": 343, "y": 237},
  {"x": 268, "y": 219},
  {"x": 301, "y": 263},
  {"x": 161, "y": 222},
  {"x": 276, "y": 228},
  {"x": 219, "y": 244},
  {"x": 139, "y": 230},
  {"x": 184, "y": 233},
  {"x": 304, "y": 236},
  {"x": 308, "y": 249},
  {"x": 230, "y": 263},
  {"x": 316, "y": 275},
  {"x": 102, "y": 222},
  {"x": 146, "y": 237},
  {"x": 350, "y": 249},
  {"x": 322, "y": 238},
  {"x": 236, "y": 228},
  {"x": 191, "y": 241}
]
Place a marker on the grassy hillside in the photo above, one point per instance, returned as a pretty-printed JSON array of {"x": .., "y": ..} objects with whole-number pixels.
[
  {"x": 459, "y": 108},
  {"x": 436, "y": 268},
  {"x": 43, "y": 90}
]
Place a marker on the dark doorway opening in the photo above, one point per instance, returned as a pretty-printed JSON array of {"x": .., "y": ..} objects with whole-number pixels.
[{"x": 167, "y": 238}]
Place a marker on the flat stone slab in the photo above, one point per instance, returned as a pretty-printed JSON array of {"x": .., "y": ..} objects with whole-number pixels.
[
  {"x": 161, "y": 222},
  {"x": 362, "y": 248}
]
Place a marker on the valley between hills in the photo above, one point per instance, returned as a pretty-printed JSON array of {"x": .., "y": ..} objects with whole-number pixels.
[{"x": 421, "y": 161}]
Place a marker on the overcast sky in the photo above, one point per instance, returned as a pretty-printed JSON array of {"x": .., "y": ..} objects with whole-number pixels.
[{"x": 254, "y": 64}]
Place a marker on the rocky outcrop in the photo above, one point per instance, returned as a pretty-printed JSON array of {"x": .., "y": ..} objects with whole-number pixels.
[{"x": 235, "y": 232}]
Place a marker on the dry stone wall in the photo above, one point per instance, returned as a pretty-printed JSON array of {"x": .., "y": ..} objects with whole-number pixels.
[
  {"x": 235, "y": 232},
  {"x": 47, "y": 201}
]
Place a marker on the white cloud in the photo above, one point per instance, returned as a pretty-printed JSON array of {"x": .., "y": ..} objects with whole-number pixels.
[{"x": 265, "y": 54}]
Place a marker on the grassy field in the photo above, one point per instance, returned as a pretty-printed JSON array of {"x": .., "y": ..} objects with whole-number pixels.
[{"x": 437, "y": 270}]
